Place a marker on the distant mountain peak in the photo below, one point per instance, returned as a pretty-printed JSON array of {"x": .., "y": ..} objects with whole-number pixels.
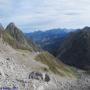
[
  {"x": 86, "y": 28},
  {"x": 12, "y": 28},
  {"x": 11, "y": 24},
  {"x": 15, "y": 37},
  {"x": 14, "y": 31}
]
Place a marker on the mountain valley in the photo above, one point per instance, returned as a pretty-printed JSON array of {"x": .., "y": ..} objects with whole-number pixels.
[
  {"x": 25, "y": 66},
  {"x": 72, "y": 48}
]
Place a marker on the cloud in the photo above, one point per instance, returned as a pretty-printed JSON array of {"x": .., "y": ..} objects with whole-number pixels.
[{"x": 44, "y": 14}]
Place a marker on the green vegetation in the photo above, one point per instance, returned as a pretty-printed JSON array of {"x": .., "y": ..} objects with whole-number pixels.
[
  {"x": 14, "y": 43},
  {"x": 15, "y": 37},
  {"x": 8, "y": 39},
  {"x": 54, "y": 65}
]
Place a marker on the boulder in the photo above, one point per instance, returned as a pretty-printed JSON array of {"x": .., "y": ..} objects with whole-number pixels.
[
  {"x": 36, "y": 75},
  {"x": 39, "y": 76},
  {"x": 47, "y": 78}
]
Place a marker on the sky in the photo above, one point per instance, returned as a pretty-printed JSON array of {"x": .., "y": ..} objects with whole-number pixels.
[{"x": 33, "y": 15}]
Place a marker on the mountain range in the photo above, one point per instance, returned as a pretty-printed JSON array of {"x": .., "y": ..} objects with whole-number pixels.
[
  {"x": 26, "y": 66},
  {"x": 75, "y": 50},
  {"x": 72, "y": 48},
  {"x": 49, "y": 40}
]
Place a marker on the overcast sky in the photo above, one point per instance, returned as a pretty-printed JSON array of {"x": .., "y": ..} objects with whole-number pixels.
[{"x": 32, "y": 15}]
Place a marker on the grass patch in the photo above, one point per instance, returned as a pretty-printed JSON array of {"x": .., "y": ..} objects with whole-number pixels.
[
  {"x": 53, "y": 64},
  {"x": 13, "y": 42}
]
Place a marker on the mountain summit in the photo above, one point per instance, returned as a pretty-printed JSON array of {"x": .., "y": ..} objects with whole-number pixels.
[
  {"x": 15, "y": 37},
  {"x": 16, "y": 33}
]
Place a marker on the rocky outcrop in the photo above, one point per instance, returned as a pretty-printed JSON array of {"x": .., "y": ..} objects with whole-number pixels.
[
  {"x": 39, "y": 76},
  {"x": 47, "y": 78}
]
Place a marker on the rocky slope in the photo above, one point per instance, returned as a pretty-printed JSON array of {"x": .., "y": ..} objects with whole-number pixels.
[
  {"x": 16, "y": 67},
  {"x": 19, "y": 70}
]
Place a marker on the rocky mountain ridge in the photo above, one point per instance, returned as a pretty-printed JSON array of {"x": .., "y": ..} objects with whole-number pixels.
[{"x": 75, "y": 50}]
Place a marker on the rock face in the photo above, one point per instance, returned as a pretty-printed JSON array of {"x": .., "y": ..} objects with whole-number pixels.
[
  {"x": 36, "y": 75},
  {"x": 47, "y": 78}
]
